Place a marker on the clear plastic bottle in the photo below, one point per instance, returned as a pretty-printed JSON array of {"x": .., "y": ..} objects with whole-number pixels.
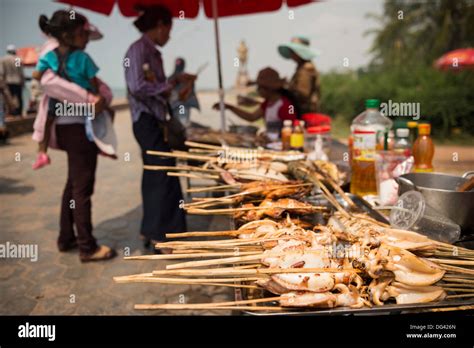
[
  {"x": 402, "y": 144},
  {"x": 423, "y": 149},
  {"x": 286, "y": 135},
  {"x": 368, "y": 129}
]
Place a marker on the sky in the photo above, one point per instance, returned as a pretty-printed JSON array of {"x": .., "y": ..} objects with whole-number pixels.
[{"x": 336, "y": 29}]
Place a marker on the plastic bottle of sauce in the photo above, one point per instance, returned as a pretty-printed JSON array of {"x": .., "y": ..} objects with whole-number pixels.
[
  {"x": 402, "y": 144},
  {"x": 286, "y": 135},
  {"x": 423, "y": 149},
  {"x": 369, "y": 129},
  {"x": 297, "y": 137},
  {"x": 412, "y": 126}
]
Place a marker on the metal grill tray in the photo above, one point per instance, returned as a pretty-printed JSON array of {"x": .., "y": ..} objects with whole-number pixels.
[{"x": 388, "y": 309}]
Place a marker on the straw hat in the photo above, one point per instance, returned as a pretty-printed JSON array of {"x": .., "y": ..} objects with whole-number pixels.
[
  {"x": 270, "y": 79},
  {"x": 300, "y": 46}
]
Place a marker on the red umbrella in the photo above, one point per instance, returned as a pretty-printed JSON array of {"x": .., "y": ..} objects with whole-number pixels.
[
  {"x": 28, "y": 55},
  {"x": 456, "y": 60},
  {"x": 190, "y": 9}
]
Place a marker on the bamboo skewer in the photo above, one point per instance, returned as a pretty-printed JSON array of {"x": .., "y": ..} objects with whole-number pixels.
[
  {"x": 186, "y": 256},
  {"x": 194, "y": 176},
  {"x": 218, "y": 243},
  {"x": 458, "y": 269},
  {"x": 182, "y": 155},
  {"x": 226, "y": 211},
  {"x": 178, "y": 168},
  {"x": 460, "y": 285},
  {"x": 184, "y": 307},
  {"x": 212, "y": 188},
  {"x": 458, "y": 289},
  {"x": 448, "y": 309},
  {"x": 458, "y": 280},
  {"x": 209, "y": 233},
  {"x": 211, "y": 305},
  {"x": 182, "y": 281},
  {"x": 238, "y": 259},
  {"x": 452, "y": 262},
  {"x": 229, "y": 271},
  {"x": 459, "y": 296},
  {"x": 202, "y": 145},
  {"x": 235, "y": 259},
  {"x": 335, "y": 186}
]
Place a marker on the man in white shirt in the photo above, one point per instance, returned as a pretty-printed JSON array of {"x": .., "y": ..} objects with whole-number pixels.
[{"x": 11, "y": 71}]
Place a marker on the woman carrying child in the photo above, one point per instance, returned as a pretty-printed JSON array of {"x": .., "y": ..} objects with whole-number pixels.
[{"x": 74, "y": 133}]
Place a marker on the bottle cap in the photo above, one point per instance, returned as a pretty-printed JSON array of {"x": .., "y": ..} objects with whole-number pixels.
[
  {"x": 287, "y": 123},
  {"x": 296, "y": 123},
  {"x": 319, "y": 129},
  {"x": 412, "y": 124},
  {"x": 403, "y": 132},
  {"x": 372, "y": 103},
  {"x": 424, "y": 129},
  {"x": 302, "y": 123}
]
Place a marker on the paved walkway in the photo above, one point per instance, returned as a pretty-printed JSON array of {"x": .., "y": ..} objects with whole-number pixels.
[{"x": 57, "y": 283}]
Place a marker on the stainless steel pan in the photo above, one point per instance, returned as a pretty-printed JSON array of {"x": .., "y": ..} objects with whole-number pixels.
[{"x": 439, "y": 190}]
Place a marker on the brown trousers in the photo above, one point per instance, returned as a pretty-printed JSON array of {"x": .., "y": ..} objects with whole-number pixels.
[{"x": 76, "y": 202}]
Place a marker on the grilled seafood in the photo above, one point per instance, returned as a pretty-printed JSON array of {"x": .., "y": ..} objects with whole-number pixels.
[{"x": 274, "y": 209}]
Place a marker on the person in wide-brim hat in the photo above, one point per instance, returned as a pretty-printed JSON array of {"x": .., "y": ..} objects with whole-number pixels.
[
  {"x": 304, "y": 84},
  {"x": 276, "y": 106}
]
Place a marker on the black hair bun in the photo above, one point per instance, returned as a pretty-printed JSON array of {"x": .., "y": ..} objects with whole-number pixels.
[{"x": 44, "y": 24}]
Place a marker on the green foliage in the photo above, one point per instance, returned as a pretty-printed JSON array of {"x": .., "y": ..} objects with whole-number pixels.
[
  {"x": 446, "y": 98},
  {"x": 411, "y": 36},
  {"x": 418, "y": 32}
]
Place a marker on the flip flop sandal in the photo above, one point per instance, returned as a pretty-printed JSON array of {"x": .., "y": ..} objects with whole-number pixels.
[{"x": 103, "y": 253}]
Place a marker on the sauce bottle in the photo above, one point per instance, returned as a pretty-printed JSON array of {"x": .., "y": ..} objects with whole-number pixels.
[
  {"x": 297, "y": 137},
  {"x": 286, "y": 135},
  {"x": 423, "y": 149},
  {"x": 402, "y": 144}
]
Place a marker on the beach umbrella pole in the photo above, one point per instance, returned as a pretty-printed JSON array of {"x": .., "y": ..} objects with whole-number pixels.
[{"x": 219, "y": 67}]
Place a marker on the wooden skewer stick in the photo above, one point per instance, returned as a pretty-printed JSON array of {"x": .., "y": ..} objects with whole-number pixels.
[
  {"x": 182, "y": 281},
  {"x": 213, "y": 188},
  {"x": 124, "y": 279},
  {"x": 210, "y": 248},
  {"x": 227, "y": 211},
  {"x": 194, "y": 176},
  {"x": 187, "y": 256},
  {"x": 183, "y": 307},
  {"x": 202, "y": 146},
  {"x": 458, "y": 280},
  {"x": 209, "y": 233},
  {"x": 456, "y": 308},
  {"x": 458, "y": 289},
  {"x": 182, "y": 155},
  {"x": 220, "y": 242},
  {"x": 458, "y": 269},
  {"x": 228, "y": 271},
  {"x": 209, "y": 305},
  {"x": 179, "y": 168},
  {"x": 452, "y": 262},
  {"x": 222, "y": 261},
  {"x": 459, "y": 296},
  {"x": 335, "y": 186},
  {"x": 238, "y": 258},
  {"x": 460, "y": 285}
]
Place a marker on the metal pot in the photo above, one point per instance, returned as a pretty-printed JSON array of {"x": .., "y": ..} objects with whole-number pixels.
[{"x": 440, "y": 192}]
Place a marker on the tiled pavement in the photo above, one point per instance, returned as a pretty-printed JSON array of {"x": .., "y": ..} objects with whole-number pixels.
[{"x": 57, "y": 283}]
